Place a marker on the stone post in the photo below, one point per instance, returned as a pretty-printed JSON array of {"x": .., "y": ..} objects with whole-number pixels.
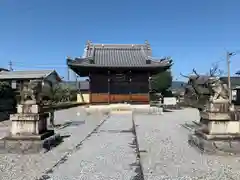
[
  {"x": 219, "y": 125},
  {"x": 29, "y": 132}
]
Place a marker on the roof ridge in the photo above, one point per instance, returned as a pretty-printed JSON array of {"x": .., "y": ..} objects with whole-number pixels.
[{"x": 117, "y": 45}]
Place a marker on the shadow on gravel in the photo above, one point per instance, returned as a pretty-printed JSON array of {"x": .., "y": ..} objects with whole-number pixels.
[
  {"x": 54, "y": 143},
  {"x": 71, "y": 123},
  {"x": 167, "y": 110},
  {"x": 137, "y": 165},
  {"x": 190, "y": 126},
  {"x": 47, "y": 173},
  {"x": 65, "y": 136},
  {"x": 48, "y": 145}
]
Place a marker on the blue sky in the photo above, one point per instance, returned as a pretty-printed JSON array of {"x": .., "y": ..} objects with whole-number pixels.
[{"x": 39, "y": 34}]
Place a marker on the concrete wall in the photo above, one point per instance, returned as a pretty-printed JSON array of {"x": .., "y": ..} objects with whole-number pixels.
[{"x": 84, "y": 98}]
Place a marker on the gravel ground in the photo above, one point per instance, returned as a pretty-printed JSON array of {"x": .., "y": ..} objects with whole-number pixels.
[
  {"x": 106, "y": 154},
  {"x": 165, "y": 153},
  {"x": 29, "y": 167}
]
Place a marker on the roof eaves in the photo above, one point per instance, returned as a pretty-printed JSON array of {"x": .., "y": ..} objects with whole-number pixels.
[
  {"x": 121, "y": 66},
  {"x": 49, "y": 73},
  {"x": 25, "y": 74}
]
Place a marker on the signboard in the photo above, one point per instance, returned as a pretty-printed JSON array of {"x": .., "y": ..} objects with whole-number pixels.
[
  {"x": 120, "y": 77},
  {"x": 169, "y": 101},
  {"x": 14, "y": 84}
]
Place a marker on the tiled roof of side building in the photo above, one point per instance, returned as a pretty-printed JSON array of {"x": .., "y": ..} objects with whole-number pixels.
[
  {"x": 120, "y": 55},
  {"x": 3, "y": 69},
  {"x": 38, "y": 74},
  {"x": 235, "y": 81}
]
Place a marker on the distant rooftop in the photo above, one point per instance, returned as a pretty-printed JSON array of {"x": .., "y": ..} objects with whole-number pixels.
[
  {"x": 235, "y": 81},
  {"x": 3, "y": 69},
  {"x": 38, "y": 74}
]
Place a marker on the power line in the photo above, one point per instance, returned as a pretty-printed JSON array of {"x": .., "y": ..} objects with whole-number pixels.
[
  {"x": 50, "y": 65},
  {"x": 36, "y": 66},
  {"x": 221, "y": 60}
]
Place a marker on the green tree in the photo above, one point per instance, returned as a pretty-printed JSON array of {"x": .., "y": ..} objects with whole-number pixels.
[
  {"x": 6, "y": 90},
  {"x": 64, "y": 93},
  {"x": 7, "y": 97},
  {"x": 162, "y": 82}
]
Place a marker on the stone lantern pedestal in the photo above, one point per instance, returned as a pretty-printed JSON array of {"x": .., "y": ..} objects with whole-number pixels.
[{"x": 29, "y": 133}]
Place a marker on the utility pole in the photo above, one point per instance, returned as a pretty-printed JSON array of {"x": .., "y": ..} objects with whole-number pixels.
[
  {"x": 229, "y": 76},
  {"x": 10, "y": 66}
]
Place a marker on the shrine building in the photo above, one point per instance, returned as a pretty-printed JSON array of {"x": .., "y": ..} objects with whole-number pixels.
[{"x": 118, "y": 72}]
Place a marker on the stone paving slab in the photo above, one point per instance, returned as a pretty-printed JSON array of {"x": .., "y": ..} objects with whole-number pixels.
[
  {"x": 105, "y": 155},
  {"x": 165, "y": 153}
]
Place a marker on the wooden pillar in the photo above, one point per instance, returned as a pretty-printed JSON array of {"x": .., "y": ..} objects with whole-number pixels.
[
  {"x": 149, "y": 86},
  {"x": 130, "y": 86},
  {"x": 90, "y": 92},
  {"x": 109, "y": 81},
  {"x": 238, "y": 97}
]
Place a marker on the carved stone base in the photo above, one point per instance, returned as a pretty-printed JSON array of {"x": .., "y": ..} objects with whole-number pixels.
[
  {"x": 221, "y": 107},
  {"x": 28, "y": 123},
  {"x": 212, "y": 116},
  {"x": 218, "y": 137},
  {"x": 221, "y": 127},
  {"x": 218, "y": 145},
  {"x": 29, "y": 144}
]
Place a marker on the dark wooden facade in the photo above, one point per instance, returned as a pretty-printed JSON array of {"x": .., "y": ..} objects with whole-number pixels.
[
  {"x": 118, "y": 73},
  {"x": 114, "y": 87}
]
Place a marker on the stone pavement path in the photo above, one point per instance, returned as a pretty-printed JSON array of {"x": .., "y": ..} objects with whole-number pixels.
[
  {"x": 103, "y": 147},
  {"x": 106, "y": 154},
  {"x": 165, "y": 153}
]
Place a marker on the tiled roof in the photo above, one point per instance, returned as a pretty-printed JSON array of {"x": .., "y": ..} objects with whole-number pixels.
[
  {"x": 25, "y": 74},
  {"x": 235, "y": 81},
  {"x": 118, "y": 55},
  {"x": 3, "y": 69}
]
